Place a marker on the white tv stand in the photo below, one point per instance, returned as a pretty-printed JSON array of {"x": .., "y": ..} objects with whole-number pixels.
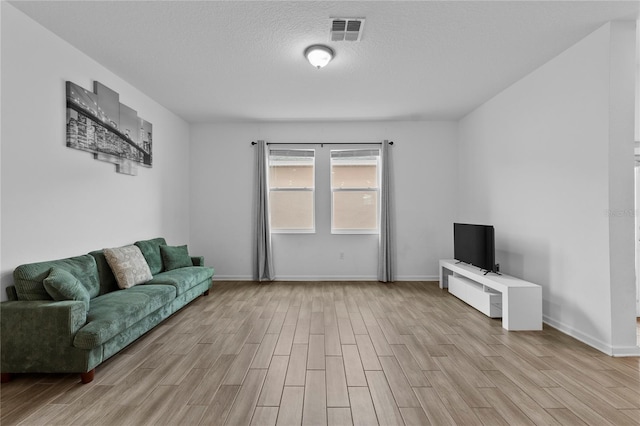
[{"x": 521, "y": 300}]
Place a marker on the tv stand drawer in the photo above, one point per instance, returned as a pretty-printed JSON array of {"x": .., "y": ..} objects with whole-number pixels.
[{"x": 475, "y": 294}]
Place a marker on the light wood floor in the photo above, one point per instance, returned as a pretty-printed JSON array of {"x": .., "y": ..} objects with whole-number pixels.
[{"x": 337, "y": 353}]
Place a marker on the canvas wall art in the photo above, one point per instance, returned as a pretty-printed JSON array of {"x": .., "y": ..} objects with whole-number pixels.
[{"x": 98, "y": 123}]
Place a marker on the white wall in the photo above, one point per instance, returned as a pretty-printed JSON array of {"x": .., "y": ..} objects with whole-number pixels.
[
  {"x": 59, "y": 202},
  {"x": 549, "y": 162},
  {"x": 222, "y": 176}
]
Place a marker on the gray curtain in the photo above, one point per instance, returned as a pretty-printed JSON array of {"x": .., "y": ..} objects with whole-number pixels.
[
  {"x": 386, "y": 249},
  {"x": 264, "y": 261}
]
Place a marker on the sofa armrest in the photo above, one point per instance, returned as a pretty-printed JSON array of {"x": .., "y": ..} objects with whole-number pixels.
[
  {"x": 34, "y": 327},
  {"x": 197, "y": 260}
]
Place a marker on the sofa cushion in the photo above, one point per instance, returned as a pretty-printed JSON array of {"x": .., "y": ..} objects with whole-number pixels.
[
  {"x": 151, "y": 251},
  {"x": 114, "y": 312},
  {"x": 128, "y": 265},
  {"x": 61, "y": 285},
  {"x": 108, "y": 281},
  {"x": 175, "y": 257},
  {"x": 28, "y": 278},
  {"x": 184, "y": 278}
]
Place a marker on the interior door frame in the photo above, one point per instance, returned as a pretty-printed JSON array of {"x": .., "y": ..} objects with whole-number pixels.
[{"x": 637, "y": 220}]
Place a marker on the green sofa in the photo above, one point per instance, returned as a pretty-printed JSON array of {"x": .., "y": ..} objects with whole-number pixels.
[{"x": 40, "y": 335}]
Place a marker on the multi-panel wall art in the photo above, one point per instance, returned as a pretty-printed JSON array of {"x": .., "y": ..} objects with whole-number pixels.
[{"x": 97, "y": 122}]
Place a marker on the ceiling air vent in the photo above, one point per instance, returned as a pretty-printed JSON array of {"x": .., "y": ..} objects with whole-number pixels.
[{"x": 346, "y": 29}]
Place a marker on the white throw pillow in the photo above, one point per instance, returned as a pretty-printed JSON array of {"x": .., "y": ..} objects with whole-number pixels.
[{"x": 128, "y": 265}]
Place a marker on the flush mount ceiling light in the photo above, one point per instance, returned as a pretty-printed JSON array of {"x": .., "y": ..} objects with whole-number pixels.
[{"x": 318, "y": 55}]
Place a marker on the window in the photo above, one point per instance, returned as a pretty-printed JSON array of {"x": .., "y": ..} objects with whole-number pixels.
[
  {"x": 291, "y": 190},
  {"x": 355, "y": 191}
]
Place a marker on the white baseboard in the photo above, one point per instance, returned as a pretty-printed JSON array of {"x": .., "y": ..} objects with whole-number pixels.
[
  {"x": 327, "y": 278},
  {"x": 622, "y": 351},
  {"x": 617, "y": 351},
  {"x": 233, "y": 278},
  {"x": 418, "y": 278}
]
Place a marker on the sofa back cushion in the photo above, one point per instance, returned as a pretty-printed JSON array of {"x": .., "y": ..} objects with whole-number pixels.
[
  {"x": 28, "y": 279},
  {"x": 151, "y": 251},
  {"x": 108, "y": 281},
  {"x": 12, "y": 294}
]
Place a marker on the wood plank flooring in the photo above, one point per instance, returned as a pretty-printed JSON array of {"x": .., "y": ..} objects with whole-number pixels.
[{"x": 336, "y": 353}]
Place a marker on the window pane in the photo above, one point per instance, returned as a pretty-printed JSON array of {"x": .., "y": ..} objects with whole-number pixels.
[
  {"x": 291, "y": 189},
  {"x": 291, "y": 168},
  {"x": 291, "y": 176},
  {"x": 354, "y": 185},
  {"x": 291, "y": 210},
  {"x": 357, "y": 210},
  {"x": 354, "y": 176}
]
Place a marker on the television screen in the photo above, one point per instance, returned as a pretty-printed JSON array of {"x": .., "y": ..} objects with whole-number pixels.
[{"x": 475, "y": 245}]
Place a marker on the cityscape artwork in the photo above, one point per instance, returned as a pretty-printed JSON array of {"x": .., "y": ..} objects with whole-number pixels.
[{"x": 98, "y": 123}]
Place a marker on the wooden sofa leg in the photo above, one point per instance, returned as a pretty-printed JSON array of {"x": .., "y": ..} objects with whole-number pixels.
[
  {"x": 206, "y": 293},
  {"x": 5, "y": 377},
  {"x": 88, "y": 376}
]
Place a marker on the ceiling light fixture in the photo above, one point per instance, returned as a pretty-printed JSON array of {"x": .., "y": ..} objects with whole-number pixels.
[{"x": 318, "y": 55}]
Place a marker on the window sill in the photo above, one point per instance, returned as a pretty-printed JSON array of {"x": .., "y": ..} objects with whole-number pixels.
[{"x": 293, "y": 231}]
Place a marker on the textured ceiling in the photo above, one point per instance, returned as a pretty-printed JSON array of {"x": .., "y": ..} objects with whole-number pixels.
[{"x": 243, "y": 60}]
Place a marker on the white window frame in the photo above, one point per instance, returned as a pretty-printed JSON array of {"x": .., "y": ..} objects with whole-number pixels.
[
  {"x": 312, "y": 189},
  {"x": 333, "y": 190}
]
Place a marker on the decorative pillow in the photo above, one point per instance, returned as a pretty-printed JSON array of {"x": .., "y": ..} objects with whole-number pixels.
[
  {"x": 62, "y": 285},
  {"x": 175, "y": 257},
  {"x": 151, "y": 251},
  {"x": 128, "y": 265}
]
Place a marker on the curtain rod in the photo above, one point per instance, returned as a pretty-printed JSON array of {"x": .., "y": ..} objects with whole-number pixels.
[{"x": 323, "y": 143}]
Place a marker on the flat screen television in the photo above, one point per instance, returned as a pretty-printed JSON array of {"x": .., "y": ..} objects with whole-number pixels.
[{"x": 475, "y": 245}]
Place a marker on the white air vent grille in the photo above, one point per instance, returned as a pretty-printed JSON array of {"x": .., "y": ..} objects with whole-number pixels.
[{"x": 346, "y": 29}]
